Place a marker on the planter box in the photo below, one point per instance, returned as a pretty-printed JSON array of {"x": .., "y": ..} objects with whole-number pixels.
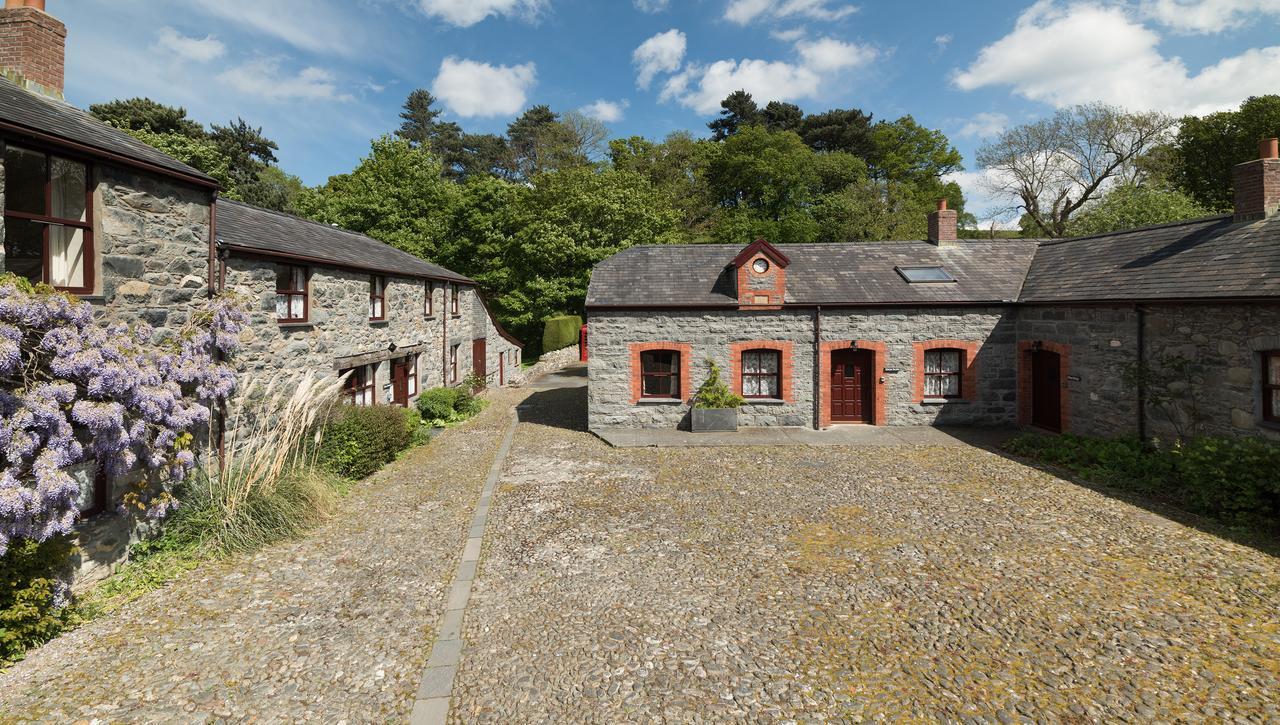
[{"x": 714, "y": 419}]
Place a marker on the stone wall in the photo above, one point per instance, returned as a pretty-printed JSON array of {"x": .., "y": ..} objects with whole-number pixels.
[{"x": 712, "y": 333}]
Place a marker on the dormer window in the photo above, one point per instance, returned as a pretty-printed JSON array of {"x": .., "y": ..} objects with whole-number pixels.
[
  {"x": 924, "y": 274},
  {"x": 761, "y": 272}
]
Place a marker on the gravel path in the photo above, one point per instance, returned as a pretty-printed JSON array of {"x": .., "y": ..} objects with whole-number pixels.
[
  {"x": 808, "y": 583},
  {"x": 332, "y": 627}
]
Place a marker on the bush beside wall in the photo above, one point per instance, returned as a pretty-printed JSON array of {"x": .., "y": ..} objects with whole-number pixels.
[
  {"x": 560, "y": 332},
  {"x": 357, "y": 441}
]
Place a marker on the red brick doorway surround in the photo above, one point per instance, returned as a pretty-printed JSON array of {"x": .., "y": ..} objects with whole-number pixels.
[
  {"x": 1025, "y": 350},
  {"x": 880, "y": 352}
]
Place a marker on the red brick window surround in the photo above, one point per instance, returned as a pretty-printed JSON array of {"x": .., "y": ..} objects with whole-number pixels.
[
  {"x": 1271, "y": 386},
  {"x": 966, "y": 372},
  {"x": 1025, "y": 349},
  {"x": 738, "y": 356},
  {"x": 674, "y": 364}
]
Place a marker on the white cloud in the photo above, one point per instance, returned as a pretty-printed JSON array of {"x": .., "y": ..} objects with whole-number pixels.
[
  {"x": 942, "y": 41},
  {"x": 1083, "y": 53},
  {"x": 470, "y": 88},
  {"x": 606, "y": 111},
  {"x": 746, "y": 11},
  {"x": 702, "y": 87},
  {"x": 651, "y": 6},
  {"x": 828, "y": 54},
  {"x": 201, "y": 50},
  {"x": 984, "y": 125},
  {"x": 1208, "y": 16},
  {"x": 301, "y": 23},
  {"x": 465, "y": 13},
  {"x": 663, "y": 53},
  {"x": 263, "y": 78},
  {"x": 788, "y": 36}
]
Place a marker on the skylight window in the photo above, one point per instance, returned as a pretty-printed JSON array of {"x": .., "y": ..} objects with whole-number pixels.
[{"x": 916, "y": 275}]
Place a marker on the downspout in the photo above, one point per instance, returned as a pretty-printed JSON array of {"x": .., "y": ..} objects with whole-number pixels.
[
  {"x": 444, "y": 336},
  {"x": 1142, "y": 373},
  {"x": 817, "y": 367},
  {"x": 217, "y": 283}
]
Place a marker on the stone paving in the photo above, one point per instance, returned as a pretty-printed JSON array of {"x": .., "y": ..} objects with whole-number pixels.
[
  {"x": 907, "y": 582},
  {"x": 333, "y": 627}
]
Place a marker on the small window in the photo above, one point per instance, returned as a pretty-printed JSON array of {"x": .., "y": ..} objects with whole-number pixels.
[
  {"x": 660, "y": 374},
  {"x": 453, "y": 299},
  {"x": 428, "y": 292},
  {"x": 1271, "y": 386},
  {"x": 761, "y": 374},
  {"x": 760, "y": 266},
  {"x": 95, "y": 488},
  {"x": 942, "y": 373},
  {"x": 377, "y": 298},
  {"x": 358, "y": 389},
  {"x": 412, "y": 384},
  {"x": 453, "y": 363},
  {"x": 291, "y": 294},
  {"x": 916, "y": 275},
  {"x": 48, "y": 225}
]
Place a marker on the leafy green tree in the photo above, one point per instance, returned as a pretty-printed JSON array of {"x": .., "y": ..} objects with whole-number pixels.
[
  {"x": 779, "y": 116},
  {"x": 144, "y": 114},
  {"x": 677, "y": 168},
  {"x": 418, "y": 118},
  {"x": 847, "y": 130},
  {"x": 274, "y": 188},
  {"x": 484, "y": 154},
  {"x": 1131, "y": 205},
  {"x": 396, "y": 194},
  {"x": 535, "y": 139},
  {"x": 1206, "y": 148},
  {"x": 738, "y": 110},
  {"x": 198, "y": 152}
]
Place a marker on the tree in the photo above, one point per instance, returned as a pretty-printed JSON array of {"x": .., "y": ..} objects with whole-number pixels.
[
  {"x": 144, "y": 114},
  {"x": 847, "y": 130},
  {"x": 779, "y": 116},
  {"x": 418, "y": 118},
  {"x": 588, "y": 136},
  {"x": 275, "y": 189},
  {"x": 532, "y": 138},
  {"x": 677, "y": 169},
  {"x": 249, "y": 153},
  {"x": 738, "y": 110},
  {"x": 1206, "y": 148},
  {"x": 1050, "y": 169},
  {"x": 396, "y": 195},
  {"x": 484, "y": 154},
  {"x": 1132, "y": 205}
]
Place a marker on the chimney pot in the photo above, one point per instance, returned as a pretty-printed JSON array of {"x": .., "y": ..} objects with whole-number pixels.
[
  {"x": 1269, "y": 148},
  {"x": 37, "y": 4},
  {"x": 942, "y": 205}
]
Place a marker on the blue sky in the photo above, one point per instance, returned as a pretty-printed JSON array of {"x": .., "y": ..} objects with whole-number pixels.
[{"x": 325, "y": 76}]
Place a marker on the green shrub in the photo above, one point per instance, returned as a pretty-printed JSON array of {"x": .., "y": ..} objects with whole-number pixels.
[
  {"x": 32, "y": 605},
  {"x": 561, "y": 331},
  {"x": 438, "y": 403},
  {"x": 1234, "y": 480},
  {"x": 359, "y": 440},
  {"x": 714, "y": 393},
  {"x": 417, "y": 427}
]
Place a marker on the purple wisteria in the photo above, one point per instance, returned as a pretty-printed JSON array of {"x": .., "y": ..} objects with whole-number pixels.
[{"x": 74, "y": 389}]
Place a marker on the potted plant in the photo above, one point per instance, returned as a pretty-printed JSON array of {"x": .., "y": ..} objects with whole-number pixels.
[{"x": 715, "y": 407}]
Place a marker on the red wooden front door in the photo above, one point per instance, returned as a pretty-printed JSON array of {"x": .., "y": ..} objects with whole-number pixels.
[
  {"x": 400, "y": 382},
  {"x": 852, "y": 389},
  {"x": 478, "y": 357},
  {"x": 502, "y": 369},
  {"x": 1046, "y": 390}
]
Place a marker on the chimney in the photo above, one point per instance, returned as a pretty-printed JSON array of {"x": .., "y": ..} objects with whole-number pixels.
[
  {"x": 32, "y": 46},
  {"x": 942, "y": 225},
  {"x": 1258, "y": 184}
]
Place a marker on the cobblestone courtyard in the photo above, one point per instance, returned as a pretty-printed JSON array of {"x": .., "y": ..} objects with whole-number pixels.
[{"x": 697, "y": 584}]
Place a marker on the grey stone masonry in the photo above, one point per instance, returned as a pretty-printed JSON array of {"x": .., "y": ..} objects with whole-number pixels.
[{"x": 712, "y": 333}]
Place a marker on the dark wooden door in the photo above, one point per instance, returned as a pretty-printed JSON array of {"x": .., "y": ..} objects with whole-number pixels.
[
  {"x": 400, "y": 382},
  {"x": 478, "y": 357},
  {"x": 1046, "y": 390},
  {"x": 502, "y": 369},
  {"x": 852, "y": 389}
]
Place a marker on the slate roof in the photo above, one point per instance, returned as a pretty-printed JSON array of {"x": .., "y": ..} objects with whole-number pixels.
[
  {"x": 1199, "y": 259},
  {"x": 830, "y": 274},
  {"x": 249, "y": 228},
  {"x": 41, "y": 117}
]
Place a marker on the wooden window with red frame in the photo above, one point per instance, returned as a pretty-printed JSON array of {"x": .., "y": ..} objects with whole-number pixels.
[
  {"x": 453, "y": 363},
  {"x": 1271, "y": 386},
  {"x": 943, "y": 373},
  {"x": 660, "y": 374},
  {"x": 762, "y": 374},
  {"x": 358, "y": 388},
  {"x": 428, "y": 304},
  {"x": 292, "y": 304},
  {"x": 377, "y": 298},
  {"x": 48, "y": 219},
  {"x": 453, "y": 299}
]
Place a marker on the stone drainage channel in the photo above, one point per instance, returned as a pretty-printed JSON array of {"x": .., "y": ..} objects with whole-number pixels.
[{"x": 431, "y": 705}]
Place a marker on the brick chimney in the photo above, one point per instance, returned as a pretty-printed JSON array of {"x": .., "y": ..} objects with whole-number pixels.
[
  {"x": 942, "y": 225},
  {"x": 1258, "y": 184},
  {"x": 32, "y": 46}
]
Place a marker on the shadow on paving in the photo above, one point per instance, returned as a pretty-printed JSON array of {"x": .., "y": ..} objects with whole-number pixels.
[{"x": 557, "y": 408}]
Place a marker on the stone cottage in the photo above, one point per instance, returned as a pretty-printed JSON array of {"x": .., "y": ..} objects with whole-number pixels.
[
  {"x": 1157, "y": 331},
  {"x": 141, "y": 236}
]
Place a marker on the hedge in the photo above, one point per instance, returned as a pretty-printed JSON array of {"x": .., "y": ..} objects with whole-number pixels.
[
  {"x": 358, "y": 441},
  {"x": 559, "y": 332}
]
